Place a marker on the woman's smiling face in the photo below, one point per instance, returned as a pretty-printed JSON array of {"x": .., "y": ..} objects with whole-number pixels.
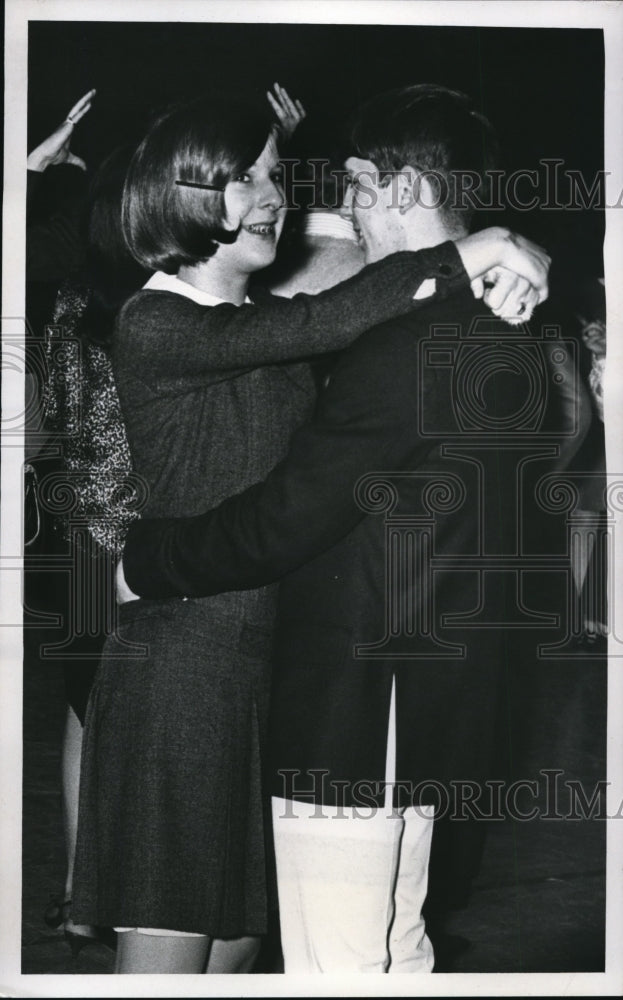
[{"x": 255, "y": 201}]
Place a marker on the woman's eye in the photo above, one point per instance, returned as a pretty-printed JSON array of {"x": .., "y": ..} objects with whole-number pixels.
[
  {"x": 277, "y": 177},
  {"x": 242, "y": 178}
]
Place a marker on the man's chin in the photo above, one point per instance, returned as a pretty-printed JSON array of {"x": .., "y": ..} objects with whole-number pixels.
[
  {"x": 368, "y": 252},
  {"x": 373, "y": 251}
]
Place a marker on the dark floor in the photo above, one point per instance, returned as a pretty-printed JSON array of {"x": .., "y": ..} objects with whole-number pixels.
[{"x": 537, "y": 904}]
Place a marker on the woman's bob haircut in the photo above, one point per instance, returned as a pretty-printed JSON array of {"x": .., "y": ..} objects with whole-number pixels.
[{"x": 207, "y": 141}]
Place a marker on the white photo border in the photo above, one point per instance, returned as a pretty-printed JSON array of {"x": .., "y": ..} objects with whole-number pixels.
[{"x": 568, "y": 13}]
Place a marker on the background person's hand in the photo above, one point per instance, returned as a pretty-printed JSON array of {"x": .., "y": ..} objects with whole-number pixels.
[
  {"x": 289, "y": 113},
  {"x": 594, "y": 336},
  {"x": 55, "y": 150}
]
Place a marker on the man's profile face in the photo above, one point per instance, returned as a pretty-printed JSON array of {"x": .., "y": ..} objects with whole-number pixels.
[{"x": 373, "y": 209}]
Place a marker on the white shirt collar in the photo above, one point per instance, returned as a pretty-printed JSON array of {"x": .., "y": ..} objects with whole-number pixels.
[{"x": 161, "y": 282}]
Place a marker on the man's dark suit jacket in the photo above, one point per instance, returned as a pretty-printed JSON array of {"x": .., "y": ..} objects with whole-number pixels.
[{"x": 393, "y": 523}]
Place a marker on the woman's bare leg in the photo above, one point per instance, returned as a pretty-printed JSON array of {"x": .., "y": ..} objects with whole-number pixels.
[
  {"x": 236, "y": 955},
  {"x": 158, "y": 953},
  {"x": 70, "y": 780}
]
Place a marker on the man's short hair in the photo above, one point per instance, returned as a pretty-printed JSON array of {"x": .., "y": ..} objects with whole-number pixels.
[
  {"x": 435, "y": 130},
  {"x": 208, "y": 141}
]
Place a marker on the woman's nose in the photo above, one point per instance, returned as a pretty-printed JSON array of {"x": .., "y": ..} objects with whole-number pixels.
[{"x": 273, "y": 195}]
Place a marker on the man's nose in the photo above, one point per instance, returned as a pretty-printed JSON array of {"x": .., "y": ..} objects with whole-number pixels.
[{"x": 346, "y": 211}]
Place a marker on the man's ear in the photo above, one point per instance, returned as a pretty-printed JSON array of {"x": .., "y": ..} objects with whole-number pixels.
[{"x": 413, "y": 189}]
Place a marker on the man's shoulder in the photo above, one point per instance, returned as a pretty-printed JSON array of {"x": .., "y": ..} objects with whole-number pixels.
[
  {"x": 459, "y": 309},
  {"x": 385, "y": 361}
]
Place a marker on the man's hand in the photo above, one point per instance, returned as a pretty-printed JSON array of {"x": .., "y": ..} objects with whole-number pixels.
[
  {"x": 55, "y": 149},
  {"x": 288, "y": 112},
  {"x": 124, "y": 594}
]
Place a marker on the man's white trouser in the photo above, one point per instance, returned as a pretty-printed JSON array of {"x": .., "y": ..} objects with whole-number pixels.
[{"x": 352, "y": 883}]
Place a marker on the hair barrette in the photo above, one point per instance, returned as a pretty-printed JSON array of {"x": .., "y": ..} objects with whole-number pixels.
[{"x": 205, "y": 187}]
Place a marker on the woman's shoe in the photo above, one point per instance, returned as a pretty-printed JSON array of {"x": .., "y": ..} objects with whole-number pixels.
[
  {"x": 57, "y": 914},
  {"x": 79, "y": 941},
  {"x": 57, "y": 911}
]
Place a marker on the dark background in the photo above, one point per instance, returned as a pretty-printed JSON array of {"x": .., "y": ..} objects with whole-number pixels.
[{"x": 542, "y": 88}]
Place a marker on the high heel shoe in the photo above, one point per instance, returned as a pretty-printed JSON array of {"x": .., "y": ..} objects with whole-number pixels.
[
  {"x": 79, "y": 941},
  {"x": 57, "y": 913}
]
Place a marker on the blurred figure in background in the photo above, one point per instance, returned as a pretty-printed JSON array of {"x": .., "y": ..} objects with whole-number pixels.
[
  {"x": 589, "y": 557},
  {"x": 80, "y": 246}
]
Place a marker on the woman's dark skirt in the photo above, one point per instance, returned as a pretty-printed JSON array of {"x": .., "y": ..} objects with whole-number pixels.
[{"x": 172, "y": 815}]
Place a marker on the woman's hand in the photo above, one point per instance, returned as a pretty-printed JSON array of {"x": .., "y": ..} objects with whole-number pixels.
[
  {"x": 289, "y": 113},
  {"x": 507, "y": 271},
  {"x": 55, "y": 149},
  {"x": 508, "y": 295},
  {"x": 124, "y": 594}
]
